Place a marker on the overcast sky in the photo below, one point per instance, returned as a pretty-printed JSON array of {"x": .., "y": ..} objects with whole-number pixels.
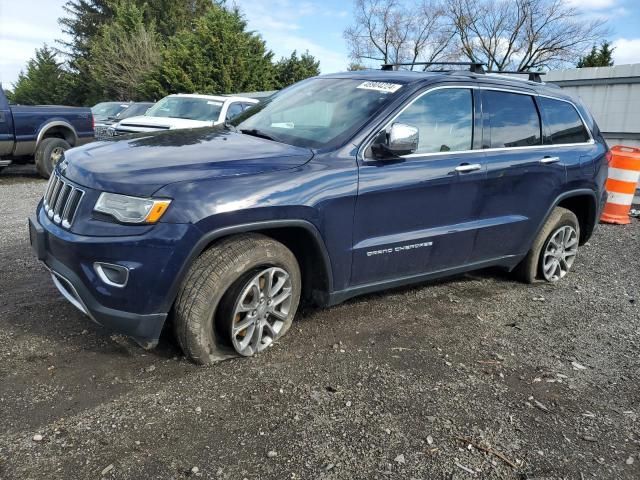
[{"x": 286, "y": 25}]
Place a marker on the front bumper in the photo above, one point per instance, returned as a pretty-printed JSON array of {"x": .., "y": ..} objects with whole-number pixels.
[{"x": 138, "y": 310}]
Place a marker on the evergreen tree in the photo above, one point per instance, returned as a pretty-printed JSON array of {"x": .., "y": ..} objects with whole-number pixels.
[
  {"x": 84, "y": 22},
  {"x": 124, "y": 53},
  {"x": 218, "y": 55},
  {"x": 598, "y": 57},
  {"x": 44, "y": 82},
  {"x": 293, "y": 69}
]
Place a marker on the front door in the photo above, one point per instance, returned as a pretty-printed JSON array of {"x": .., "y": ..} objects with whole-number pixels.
[{"x": 417, "y": 213}]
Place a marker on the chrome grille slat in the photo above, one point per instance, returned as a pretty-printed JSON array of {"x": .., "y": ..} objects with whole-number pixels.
[
  {"x": 47, "y": 191},
  {"x": 52, "y": 186},
  {"x": 61, "y": 200},
  {"x": 54, "y": 197}
]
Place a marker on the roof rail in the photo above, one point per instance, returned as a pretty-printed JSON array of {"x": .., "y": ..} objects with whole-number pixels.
[
  {"x": 475, "y": 67},
  {"x": 533, "y": 76}
]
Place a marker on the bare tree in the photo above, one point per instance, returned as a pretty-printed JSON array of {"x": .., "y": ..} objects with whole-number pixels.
[
  {"x": 521, "y": 34},
  {"x": 389, "y": 31}
]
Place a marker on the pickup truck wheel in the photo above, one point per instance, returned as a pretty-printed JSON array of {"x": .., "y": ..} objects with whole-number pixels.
[
  {"x": 554, "y": 249},
  {"x": 48, "y": 154},
  {"x": 238, "y": 297}
]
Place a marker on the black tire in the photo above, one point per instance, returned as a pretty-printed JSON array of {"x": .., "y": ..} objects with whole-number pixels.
[
  {"x": 529, "y": 270},
  {"x": 215, "y": 273},
  {"x": 43, "y": 157}
]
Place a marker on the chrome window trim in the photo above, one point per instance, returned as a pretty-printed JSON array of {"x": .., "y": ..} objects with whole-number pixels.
[{"x": 367, "y": 143}]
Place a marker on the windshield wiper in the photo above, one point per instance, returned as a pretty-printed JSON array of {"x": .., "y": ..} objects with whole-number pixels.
[{"x": 257, "y": 133}]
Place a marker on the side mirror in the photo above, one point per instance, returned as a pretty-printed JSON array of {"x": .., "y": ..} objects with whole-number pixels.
[{"x": 400, "y": 139}]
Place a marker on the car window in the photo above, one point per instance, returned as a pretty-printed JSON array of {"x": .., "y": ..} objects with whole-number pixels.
[
  {"x": 234, "y": 110},
  {"x": 319, "y": 112},
  {"x": 563, "y": 121},
  {"x": 108, "y": 109},
  {"x": 190, "y": 108},
  {"x": 512, "y": 118},
  {"x": 444, "y": 119}
]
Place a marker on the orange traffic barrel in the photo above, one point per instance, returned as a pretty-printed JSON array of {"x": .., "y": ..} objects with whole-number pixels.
[{"x": 624, "y": 171}]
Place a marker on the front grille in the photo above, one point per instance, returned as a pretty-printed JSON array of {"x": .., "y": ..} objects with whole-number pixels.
[{"x": 61, "y": 200}]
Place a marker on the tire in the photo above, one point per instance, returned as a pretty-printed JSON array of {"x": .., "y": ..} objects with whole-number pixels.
[
  {"x": 46, "y": 154},
  {"x": 531, "y": 268},
  {"x": 202, "y": 321}
]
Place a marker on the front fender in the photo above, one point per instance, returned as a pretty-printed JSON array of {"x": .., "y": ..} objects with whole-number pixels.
[{"x": 210, "y": 237}]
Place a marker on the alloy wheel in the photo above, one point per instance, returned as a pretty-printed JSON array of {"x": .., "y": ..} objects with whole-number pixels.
[
  {"x": 56, "y": 155},
  {"x": 559, "y": 253},
  {"x": 260, "y": 311}
]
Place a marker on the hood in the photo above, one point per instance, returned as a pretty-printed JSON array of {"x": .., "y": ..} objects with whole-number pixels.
[
  {"x": 141, "y": 164},
  {"x": 144, "y": 123}
]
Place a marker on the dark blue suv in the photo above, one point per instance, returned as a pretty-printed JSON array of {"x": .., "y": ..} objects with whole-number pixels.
[{"x": 338, "y": 185}]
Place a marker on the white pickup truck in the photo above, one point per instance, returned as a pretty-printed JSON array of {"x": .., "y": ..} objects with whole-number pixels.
[{"x": 185, "y": 111}]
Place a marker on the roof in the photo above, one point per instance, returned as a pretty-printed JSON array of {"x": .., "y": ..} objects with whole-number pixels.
[{"x": 414, "y": 77}]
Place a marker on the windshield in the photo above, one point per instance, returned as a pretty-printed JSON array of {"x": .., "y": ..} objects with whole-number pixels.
[
  {"x": 108, "y": 109},
  {"x": 317, "y": 113},
  {"x": 134, "y": 110},
  {"x": 189, "y": 108}
]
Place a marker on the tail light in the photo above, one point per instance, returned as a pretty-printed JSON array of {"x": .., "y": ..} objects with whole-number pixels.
[
  {"x": 93, "y": 122},
  {"x": 608, "y": 156}
]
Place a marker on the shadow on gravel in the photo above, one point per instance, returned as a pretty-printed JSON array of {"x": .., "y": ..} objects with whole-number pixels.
[{"x": 15, "y": 174}]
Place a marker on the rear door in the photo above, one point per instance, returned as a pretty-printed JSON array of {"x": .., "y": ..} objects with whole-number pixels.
[
  {"x": 524, "y": 177},
  {"x": 568, "y": 139},
  {"x": 6, "y": 127}
]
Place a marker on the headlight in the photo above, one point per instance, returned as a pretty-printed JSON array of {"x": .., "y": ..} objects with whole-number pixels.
[{"x": 131, "y": 209}]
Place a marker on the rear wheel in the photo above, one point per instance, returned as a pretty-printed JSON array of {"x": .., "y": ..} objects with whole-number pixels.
[
  {"x": 554, "y": 249},
  {"x": 237, "y": 299},
  {"x": 48, "y": 154}
]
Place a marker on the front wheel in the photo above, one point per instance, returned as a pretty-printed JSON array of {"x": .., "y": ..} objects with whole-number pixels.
[
  {"x": 238, "y": 297},
  {"x": 554, "y": 249}
]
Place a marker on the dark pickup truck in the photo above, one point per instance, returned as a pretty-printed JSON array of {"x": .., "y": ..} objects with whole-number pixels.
[{"x": 41, "y": 132}]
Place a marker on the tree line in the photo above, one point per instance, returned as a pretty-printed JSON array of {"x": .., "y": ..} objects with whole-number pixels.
[
  {"x": 146, "y": 49},
  {"x": 516, "y": 35}
]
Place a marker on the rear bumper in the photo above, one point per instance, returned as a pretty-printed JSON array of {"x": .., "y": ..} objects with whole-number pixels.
[{"x": 139, "y": 309}]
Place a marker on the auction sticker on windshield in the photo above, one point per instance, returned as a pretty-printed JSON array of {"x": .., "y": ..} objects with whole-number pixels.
[{"x": 380, "y": 86}]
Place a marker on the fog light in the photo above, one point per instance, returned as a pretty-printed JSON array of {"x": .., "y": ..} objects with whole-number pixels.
[{"x": 114, "y": 275}]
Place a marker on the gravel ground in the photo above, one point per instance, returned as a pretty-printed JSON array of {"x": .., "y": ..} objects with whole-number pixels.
[{"x": 473, "y": 377}]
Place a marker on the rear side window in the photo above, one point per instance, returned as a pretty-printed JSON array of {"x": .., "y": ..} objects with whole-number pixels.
[
  {"x": 513, "y": 120},
  {"x": 563, "y": 122},
  {"x": 444, "y": 119}
]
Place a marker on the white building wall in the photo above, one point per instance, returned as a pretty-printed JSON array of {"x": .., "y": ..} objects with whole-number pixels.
[{"x": 612, "y": 94}]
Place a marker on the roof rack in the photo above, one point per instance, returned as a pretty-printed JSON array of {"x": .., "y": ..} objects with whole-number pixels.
[
  {"x": 475, "y": 67},
  {"x": 533, "y": 76}
]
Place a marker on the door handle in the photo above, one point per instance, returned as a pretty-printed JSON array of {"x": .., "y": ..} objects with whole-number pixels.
[
  {"x": 546, "y": 160},
  {"x": 468, "y": 167}
]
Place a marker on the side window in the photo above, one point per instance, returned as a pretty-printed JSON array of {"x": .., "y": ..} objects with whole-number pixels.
[
  {"x": 513, "y": 119},
  {"x": 444, "y": 119},
  {"x": 563, "y": 121},
  {"x": 234, "y": 110}
]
